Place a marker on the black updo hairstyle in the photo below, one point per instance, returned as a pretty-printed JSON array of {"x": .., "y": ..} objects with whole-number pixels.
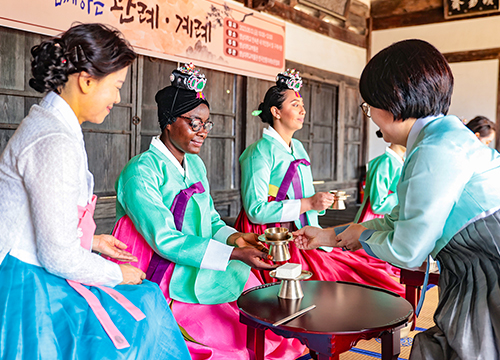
[
  {"x": 410, "y": 79},
  {"x": 482, "y": 125},
  {"x": 96, "y": 49},
  {"x": 275, "y": 96}
]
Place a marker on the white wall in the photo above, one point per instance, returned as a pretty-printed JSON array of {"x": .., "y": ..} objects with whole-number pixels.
[
  {"x": 320, "y": 51},
  {"x": 475, "y": 90}
]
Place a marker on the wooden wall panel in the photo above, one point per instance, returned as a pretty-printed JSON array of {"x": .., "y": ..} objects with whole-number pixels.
[
  {"x": 107, "y": 154},
  {"x": 12, "y": 64},
  {"x": 11, "y": 109},
  {"x": 255, "y": 91},
  {"x": 153, "y": 75}
]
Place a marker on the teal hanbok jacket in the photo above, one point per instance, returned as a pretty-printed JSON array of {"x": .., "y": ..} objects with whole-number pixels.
[
  {"x": 382, "y": 179},
  {"x": 263, "y": 167},
  {"x": 145, "y": 191},
  {"x": 449, "y": 178}
]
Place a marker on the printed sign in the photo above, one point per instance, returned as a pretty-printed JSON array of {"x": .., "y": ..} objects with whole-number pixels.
[
  {"x": 216, "y": 34},
  {"x": 467, "y": 8}
]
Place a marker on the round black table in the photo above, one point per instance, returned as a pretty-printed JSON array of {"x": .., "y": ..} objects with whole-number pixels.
[{"x": 345, "y": 313}]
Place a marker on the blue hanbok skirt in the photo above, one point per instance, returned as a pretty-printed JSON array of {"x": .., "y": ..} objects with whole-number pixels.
[{"x": 43, "y": 317}]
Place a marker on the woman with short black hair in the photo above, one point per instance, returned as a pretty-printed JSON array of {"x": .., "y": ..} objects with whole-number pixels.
[{"x": 449, "y": 201}]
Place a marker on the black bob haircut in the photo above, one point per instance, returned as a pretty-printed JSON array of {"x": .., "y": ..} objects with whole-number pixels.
[{"x": 410, "y": 79}]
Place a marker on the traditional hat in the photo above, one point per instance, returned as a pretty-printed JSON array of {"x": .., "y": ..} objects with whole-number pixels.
[
  {"x": 183, "y": 95},
  {"x": 289, "y": 79}
]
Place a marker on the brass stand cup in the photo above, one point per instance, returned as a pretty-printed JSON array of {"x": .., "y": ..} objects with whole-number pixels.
[
  {"x": 278, "y": 238},
  {"x": 339, "y": 200},
  {"x": 279, "y": 250},
  {"x": 290, "y": 289}
]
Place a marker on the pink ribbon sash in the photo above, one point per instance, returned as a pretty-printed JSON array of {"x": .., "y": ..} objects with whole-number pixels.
[{"x": 86, "y": 229}]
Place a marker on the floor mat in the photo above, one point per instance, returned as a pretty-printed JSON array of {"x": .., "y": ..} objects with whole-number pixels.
[{"x": 371, "y": 349}]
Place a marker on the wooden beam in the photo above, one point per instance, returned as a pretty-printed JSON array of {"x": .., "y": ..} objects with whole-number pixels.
[
  {"x": 384, "y": 8},
  {"x": 473, "y": 55},
  {"x": 431, "y": 16},
  {"x": 411, "y": 19},
  {"x": 298, "y": 17}
]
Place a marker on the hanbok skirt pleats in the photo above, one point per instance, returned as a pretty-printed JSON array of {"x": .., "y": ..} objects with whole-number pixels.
[
  {"x": 468, "y": 314},
  {"x": 43, "y": 317}
]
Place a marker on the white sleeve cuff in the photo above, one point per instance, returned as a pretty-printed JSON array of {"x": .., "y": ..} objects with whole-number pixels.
[
  {"x": 291, "y": 210},
  {"x": 223, "y": 233},
  {"x": 217, "y": 256}
]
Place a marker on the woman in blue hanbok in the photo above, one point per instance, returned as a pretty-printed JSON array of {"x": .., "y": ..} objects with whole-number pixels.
[
  {"x": 448, "y": 201},
  {"x": 59, "y": 299}
]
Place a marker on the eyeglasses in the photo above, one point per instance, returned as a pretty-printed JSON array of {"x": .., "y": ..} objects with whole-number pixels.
[
  {"x": 197, "y": 124},
  {"x": 366, "y": 109}
]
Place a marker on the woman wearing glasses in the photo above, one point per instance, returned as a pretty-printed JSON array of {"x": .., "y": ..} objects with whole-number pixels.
[
  {"x": 277, "y": 189},
  {"x": 449, "y": 201},
  {"x": 167, "y": 218}
]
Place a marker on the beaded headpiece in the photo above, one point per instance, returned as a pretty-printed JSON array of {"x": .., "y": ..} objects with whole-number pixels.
[
  {"x": 290, "y": 79},
  {"x": 182, "y": 96},
  {"x": 189, "y": 78}
]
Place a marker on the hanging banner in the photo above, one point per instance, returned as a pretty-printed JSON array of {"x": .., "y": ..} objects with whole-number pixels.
[{"x": 221, "y": 35}]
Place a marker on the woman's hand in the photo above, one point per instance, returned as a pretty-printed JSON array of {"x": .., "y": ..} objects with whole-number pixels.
[
  {"x": 131, "y": 275},
  {"x": 349, "y": 238},
  {"x": 310, "y": 237},
  {"x": 319, "y": 202},
  {"x": 253, "y": 257},
  {"x": 241, "y": 240},
  {"x": 110, "y": 246}
]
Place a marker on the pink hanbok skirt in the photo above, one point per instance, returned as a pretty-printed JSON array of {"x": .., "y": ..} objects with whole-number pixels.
[{"x": 216, "y": 329}]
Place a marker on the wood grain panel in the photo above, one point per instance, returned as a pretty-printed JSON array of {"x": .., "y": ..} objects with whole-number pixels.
[{"x": 12, "y": 61}]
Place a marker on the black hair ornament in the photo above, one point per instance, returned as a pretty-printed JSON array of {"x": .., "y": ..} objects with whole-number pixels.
[{"x": 189, "y": 78}]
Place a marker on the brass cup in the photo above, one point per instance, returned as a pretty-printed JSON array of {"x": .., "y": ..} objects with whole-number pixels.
[
  {"x": 276, "y": 233},
  {"x": 277, "y": 238},
  {"x": 290, "y": 289},
  {"x": 279, "y": 250},
  {"x": 339, "y": 200}
]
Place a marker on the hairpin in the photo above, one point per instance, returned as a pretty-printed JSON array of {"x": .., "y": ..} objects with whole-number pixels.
[
  {"x": 290, "y": 79},
  {"x": 189, "y": 78},
  {"x": 256, "y": 112}
]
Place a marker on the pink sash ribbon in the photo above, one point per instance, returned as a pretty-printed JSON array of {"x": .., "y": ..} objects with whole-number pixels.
[
  {"x": 292, "y": 177},
  {"x": 86, "y": 229},
  {"x": 86, "y": 225}
]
